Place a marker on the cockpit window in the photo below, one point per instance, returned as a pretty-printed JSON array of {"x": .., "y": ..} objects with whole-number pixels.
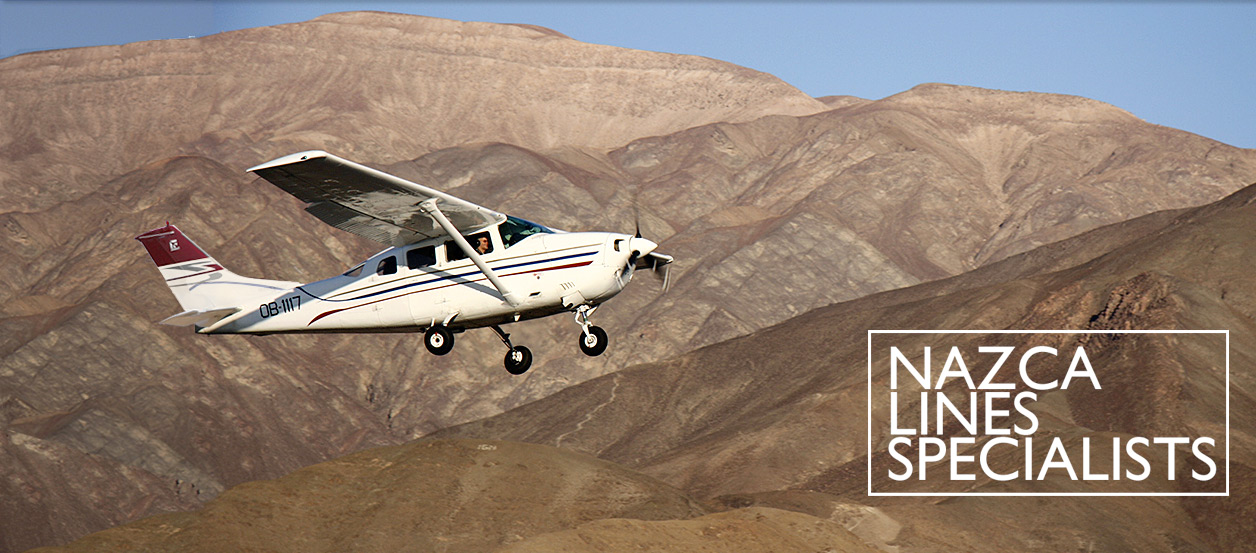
[
  {"x": 355, "y": 271},
  {"x": 515, "y": 229}
]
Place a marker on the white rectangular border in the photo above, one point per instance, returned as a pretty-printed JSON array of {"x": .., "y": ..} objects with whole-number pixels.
[{"x": 1226, "y": 493}]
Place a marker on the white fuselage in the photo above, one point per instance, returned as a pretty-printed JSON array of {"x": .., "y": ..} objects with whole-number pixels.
[{"x": 546, "y": 273}]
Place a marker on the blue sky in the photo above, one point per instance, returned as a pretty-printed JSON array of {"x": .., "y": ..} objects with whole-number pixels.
[{"x": 1186, "y": 65}]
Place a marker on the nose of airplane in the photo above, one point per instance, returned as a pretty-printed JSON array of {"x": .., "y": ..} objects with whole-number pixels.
[
  {"x": 643, "y": 256},
  {"x": 640, "y": 247}
]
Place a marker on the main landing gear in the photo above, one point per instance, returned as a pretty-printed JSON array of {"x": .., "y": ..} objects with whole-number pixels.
[
  {"x": 440, "y": 340},
  {"x": 518, "y": 358}
]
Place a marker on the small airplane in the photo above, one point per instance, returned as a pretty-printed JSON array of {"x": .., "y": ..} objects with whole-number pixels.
[{"x": 451, "y": 265}]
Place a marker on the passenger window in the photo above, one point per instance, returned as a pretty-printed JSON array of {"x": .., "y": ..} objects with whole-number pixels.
[
  {"x": 421, "y": 257},
  {"x": 480, "y": 242},
  {"x": 387, "y": 266}
]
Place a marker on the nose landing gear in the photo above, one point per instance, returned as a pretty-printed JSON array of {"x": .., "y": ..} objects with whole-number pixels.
[{"x": 593, "y": 339}]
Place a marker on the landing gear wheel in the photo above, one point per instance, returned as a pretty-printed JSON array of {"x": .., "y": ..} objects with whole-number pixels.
[
  {"x": 438, "y": 340},
  {"x": 593, "y": 342},
  {"x": 518, "y": 360}
]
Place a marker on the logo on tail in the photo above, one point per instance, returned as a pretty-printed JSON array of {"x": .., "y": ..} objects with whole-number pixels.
[{"x": 168, "y": 246}]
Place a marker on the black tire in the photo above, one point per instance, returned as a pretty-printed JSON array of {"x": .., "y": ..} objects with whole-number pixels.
[
  {"x": 518, "y": 360},
  {"x": 593, "y": 343},
  {"x": 439, "y": 340}
]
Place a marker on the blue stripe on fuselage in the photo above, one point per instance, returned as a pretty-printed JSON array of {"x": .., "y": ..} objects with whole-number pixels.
[{"x": 451, "y": 277}]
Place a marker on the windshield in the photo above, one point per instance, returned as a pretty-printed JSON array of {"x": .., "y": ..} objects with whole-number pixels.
[{"x": 515, "y": 229}]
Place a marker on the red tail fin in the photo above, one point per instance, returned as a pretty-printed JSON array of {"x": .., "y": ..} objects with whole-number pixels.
[
  {"x": 167, "y": 246},
  {"x": 197, "y": 280}
]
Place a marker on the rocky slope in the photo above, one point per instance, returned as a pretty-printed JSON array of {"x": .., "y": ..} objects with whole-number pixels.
[
  {"x": 371, "y": 86},
  {"x": 778, "y": 418},
  {"x": 772, "y": 205},
  {"x": 467, "y": 496}
]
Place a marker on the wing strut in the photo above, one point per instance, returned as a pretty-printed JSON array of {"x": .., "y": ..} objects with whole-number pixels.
[{"x": 429, "y": 207}]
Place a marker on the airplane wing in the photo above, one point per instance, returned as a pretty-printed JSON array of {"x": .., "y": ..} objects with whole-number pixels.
[{"x": 355, "y": 198}]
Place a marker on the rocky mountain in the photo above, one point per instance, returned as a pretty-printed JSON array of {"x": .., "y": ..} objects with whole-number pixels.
[
  {"x": 395, "y": 482},
  {"x": 779, "y": 417},
  {"x": 774, "y": 204},
  {"x": 372, "y": 86},
  {"x": 466, "y": 495}
]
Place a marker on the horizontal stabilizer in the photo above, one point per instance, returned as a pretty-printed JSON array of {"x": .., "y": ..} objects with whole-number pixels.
[{"x": 198, "y": 317}]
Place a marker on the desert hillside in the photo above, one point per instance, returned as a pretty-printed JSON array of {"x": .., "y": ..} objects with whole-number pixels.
[
  {"x": 375, "y": 87},
  {"x": 778, "y": 418},
  {"x": 774, "y": 204},
  {"x": 468, "y": 495}
]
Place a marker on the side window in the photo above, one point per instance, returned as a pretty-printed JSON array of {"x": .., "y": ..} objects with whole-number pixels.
[
  {"x": 387, "y": 266},
  {"x": 421, "y": 257},
  {"x": 480, "y": 242},
  {"x": 453, "y": 252}
]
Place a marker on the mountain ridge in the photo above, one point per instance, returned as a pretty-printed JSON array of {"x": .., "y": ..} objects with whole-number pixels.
[{"x": 202, "y": 97}]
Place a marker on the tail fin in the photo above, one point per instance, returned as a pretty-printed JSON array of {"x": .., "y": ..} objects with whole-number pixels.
[{"x": 204, "y": 288}]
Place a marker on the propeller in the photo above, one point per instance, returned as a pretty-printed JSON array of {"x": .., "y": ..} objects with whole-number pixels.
[{"x": 652, "y": 260}]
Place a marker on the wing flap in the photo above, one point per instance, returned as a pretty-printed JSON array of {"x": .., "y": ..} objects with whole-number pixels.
[
  {"x": 371, "y": 203},
  {"x": 361, "y": 224}
]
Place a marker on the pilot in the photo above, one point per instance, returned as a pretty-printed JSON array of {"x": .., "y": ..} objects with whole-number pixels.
[{"x": 483, "y": 246}]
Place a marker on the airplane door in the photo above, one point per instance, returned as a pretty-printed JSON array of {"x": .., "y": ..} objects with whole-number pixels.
[
  {"x": 429, "y": 306},
  {"x": 385, "y": 311},
  {"x": 429, "y": 302}
]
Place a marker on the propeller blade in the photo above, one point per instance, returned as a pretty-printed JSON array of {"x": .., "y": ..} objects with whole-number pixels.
[
  {"x": 658, "y": 263},
  {"x": 636, "y": 210},
  {"x": 652, "y": 261}
]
